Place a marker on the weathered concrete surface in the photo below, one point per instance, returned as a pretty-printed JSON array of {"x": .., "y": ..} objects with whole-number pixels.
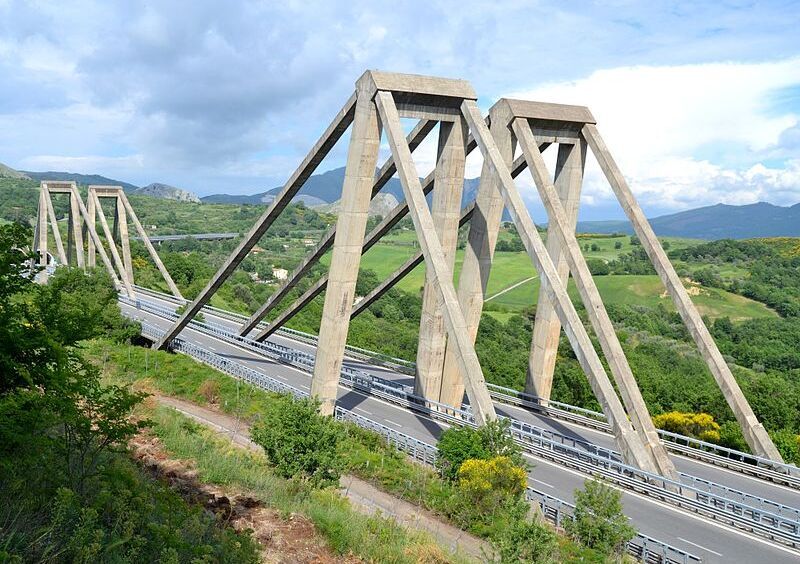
[
  {"x": 318, "y": 152},
  {"x": 478, "y": 256},
  {"x": 385, "y": 173},
  {"x": 112, "y": 246},
  {"x": 547, "y": 328},
  {"x": 149, "y": 245},
  {"x": 480, "y": 401},
  {"x": 445, "y": 211},
  {"x": 754, "y": 432},
  {"x": 628, "y": 441},
  {"x": 351, "y": 224},
  {"x": 595, "y": 310}
]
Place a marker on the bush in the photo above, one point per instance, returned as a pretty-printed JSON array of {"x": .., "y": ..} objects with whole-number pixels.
[
  {"x": 599, "y": 522},
  {"x": 698, "y": 425},
  {"x": 300, "y": 442},
  {"x": 488, "y": 485},
  {"x": 598, "y": 267},
  {"x": 526, "y": 541},
  {"x": 459, "y": 444}
]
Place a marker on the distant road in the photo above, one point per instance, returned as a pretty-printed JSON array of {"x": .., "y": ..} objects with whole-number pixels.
[
  {"x": 203, "y": 236},
  {"x": 501, "y": 292}
]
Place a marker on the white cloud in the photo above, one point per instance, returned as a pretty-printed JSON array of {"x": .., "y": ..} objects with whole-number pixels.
[{"x": 660, "y": 121}]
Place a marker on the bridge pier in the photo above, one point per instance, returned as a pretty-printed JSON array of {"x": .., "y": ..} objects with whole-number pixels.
[
  {"x": 547, "y": 327},
  {"x": 362, "y": 157},
  {"x": 445, "y": 211}
]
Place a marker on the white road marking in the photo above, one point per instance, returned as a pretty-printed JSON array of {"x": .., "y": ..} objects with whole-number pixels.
[
  {"x": 304, "y": 387},
  {"x": 393, "y": 423},
  {"x": 363, "y": 411},
  {"x": 543, "y": 483},
  {"x": 698, "y": 546}
]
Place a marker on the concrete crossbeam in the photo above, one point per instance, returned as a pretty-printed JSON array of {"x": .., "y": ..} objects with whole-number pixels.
[
  {"x": 595, "y": 310},
  {"x": 628, "y": 441},
  {"x": 318, "y": 152},
  {"x": 480, "y": 401},
  {"x": 445, "y": 211},
  {"x": 754, "y": 433},
  {"x": 351, "y": 224},
  {"x": 401, "y": 272}
]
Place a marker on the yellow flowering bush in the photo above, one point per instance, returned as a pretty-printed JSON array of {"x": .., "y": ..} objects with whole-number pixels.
[
  {"x": 699, "y": 425},
  {"x": 487, "y": 484}
]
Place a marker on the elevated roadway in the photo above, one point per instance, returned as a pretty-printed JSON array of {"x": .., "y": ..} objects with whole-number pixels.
[{"x": 713, "y": 541}]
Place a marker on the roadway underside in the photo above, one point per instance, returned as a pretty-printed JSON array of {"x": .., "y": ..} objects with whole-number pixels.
[{"x": 713, "y": 541}]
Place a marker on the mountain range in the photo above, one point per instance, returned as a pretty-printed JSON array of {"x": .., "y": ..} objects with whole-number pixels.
[
  {"x": 323, "y": 190},
  {"x": 720, "y": 221}
]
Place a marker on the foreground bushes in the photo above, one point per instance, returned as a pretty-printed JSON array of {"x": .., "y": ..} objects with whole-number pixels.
[
  {"x": 300, "y": 442},
  {"x": 599, "y": 522}
]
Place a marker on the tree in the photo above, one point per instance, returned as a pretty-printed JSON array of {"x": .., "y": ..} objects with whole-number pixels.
[
  {"x": 595, "y": 247},
  {"x": 526, "y": 541},
  {"x": 598, "y": 267},
  {"x": 635, "y": 242},
  {"x": 618, "y": 245},
  {"x": 489, "y": 485},
  {"x": 300, "y": 442},
  {"x": 598, "y": 521}
]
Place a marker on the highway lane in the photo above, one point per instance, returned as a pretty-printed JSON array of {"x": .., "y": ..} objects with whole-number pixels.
[
  {"x": 730, "y": 478},
  {"x": 715, "y": 542}
]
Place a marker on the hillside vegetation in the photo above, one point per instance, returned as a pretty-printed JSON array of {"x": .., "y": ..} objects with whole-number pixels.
[{"x": 746, "y": 289}]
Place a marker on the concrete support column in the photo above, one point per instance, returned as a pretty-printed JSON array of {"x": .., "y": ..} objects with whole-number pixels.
[
  {"x": 91, "y": 222},
  {"x": 547, "y": 327},
  {"x": 351, "y": 224},
  {"x": 595, "y": 310},
  {"x": 42, "y": 227},
  {"x": 480, "y": 401},
  {"x": 628, "y": 441},
  {"x": 150, "y": 249},
  {"x": 112, "y": 246},
  {"x": 446, "y": 212},
  {"x": 478, "y": 255},
  {"x": 77, "y": 229},
  {"x": 51, "y": 212},
  {"x": 754, "y": 432},
  {"x": 121, "y": 219}
]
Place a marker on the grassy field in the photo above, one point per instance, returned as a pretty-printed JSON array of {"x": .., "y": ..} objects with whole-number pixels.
[{"x": 510, "y": 269}]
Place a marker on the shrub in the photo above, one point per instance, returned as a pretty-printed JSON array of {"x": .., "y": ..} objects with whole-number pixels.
[
  {"x": 788, "y": 444},
  {"x": 487, "y": 485},
  {"x": 209, "y": 390},
  {"x": 526, "y": 541},
  {"x": 598, "y": 267},
  {"x": 300, "y": 442},
  {"x": 599, "y": 522},
  {"x": 699, "y": 425},
  {"x": 459, "y": 444}
]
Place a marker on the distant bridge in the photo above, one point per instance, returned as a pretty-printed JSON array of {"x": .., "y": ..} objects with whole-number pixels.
[{"x": 199, "y": 236}]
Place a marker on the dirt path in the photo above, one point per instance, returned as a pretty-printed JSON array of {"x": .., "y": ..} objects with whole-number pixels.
[{"x": 363, "y": 495}]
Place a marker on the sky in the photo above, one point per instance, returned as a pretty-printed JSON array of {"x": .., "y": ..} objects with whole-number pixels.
[{"x": 698, "y": 101}]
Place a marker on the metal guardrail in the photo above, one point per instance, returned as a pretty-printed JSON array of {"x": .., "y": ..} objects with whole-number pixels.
[
  {"x": 581, "y": 455},
  {"x": 356, "y": 353},
  {"x": 746, "y": 463},
  {"x": 642, "y": 547}
]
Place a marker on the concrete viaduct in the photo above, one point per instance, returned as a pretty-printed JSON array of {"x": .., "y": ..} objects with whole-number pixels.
[{"x": 510, "y": 139}]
